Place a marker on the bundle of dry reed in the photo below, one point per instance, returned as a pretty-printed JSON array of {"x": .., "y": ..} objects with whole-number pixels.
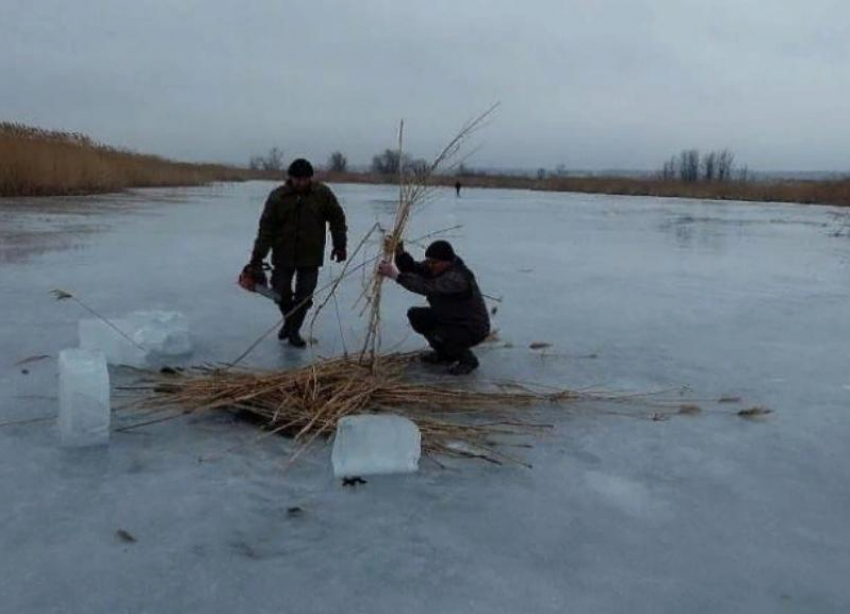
[{"x": 307, "y": 403}]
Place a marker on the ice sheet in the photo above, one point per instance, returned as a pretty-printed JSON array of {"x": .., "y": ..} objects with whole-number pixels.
[{"x": 699, "y": 514}]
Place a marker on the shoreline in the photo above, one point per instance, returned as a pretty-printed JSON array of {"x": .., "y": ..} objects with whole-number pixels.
[
  {"x": 833, "y": 193},
  {"x": 43, "y": 163}
]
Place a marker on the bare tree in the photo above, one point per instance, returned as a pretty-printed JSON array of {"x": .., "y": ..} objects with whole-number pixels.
[
  {"x": 338, "y": 162},
  {"x": 386, "y": 163},
  {"x": 709, "y": 166},
  {"x": 417, "y": 166},
  {"x": 689, "y": 165},
  {"x": 389, "y": 162},
  {"x": 725, "y": 165},
  {"x": 273, "y": 161},
  {"x": 256, "y": 163},
  {"x": 669, "y": 171}
]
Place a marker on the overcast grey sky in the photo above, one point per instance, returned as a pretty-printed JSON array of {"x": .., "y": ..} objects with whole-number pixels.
[{"x": 584, "y": 83}]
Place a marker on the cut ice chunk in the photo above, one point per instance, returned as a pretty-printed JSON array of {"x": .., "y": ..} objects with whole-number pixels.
[
  {"x": 96, "y": 335},
  {"x": 151, "y": 337},
  {"x": 84, "y": 411},
  {"x": 372, "y": 444},
  {"x": 162, "y": 333}
]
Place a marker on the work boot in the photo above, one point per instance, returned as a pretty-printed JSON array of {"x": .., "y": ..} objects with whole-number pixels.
[
  {"x": 434, "y": 358},
  {"x": 296, "y": 340},
  {"x": 296, "y": 320},
  {"x": 467, "y": 363},
  {"x": 283, "y": 333}
]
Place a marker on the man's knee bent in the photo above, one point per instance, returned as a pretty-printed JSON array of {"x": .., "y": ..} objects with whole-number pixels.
[{"x": 420, "y": 319}]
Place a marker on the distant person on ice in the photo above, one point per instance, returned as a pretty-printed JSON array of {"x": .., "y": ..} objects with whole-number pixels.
[
  {"x": 456, "y": 318},
  {"x": 457, "y": 187},
  {"x": 294, "y": 227}
]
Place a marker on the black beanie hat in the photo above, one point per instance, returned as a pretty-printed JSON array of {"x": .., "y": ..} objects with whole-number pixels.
[
  {"x": 440, "y": 250},
  {"x": 300, "y": 169}
]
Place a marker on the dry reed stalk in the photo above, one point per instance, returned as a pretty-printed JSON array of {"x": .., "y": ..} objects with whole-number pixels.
[{"x": 63, "y": 295}]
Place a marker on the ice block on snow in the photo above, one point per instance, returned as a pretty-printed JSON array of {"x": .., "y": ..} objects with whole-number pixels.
[
  {"x": 84, "y": 411},
  {"x": 156, "y": 336},
  {"x": 375, "y": 444}
]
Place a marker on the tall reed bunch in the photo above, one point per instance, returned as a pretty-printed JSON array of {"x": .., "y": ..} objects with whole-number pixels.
[{"x": 414, "y": 188}]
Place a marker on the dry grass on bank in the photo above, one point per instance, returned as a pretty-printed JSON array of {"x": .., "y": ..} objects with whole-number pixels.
[
  {"x": 834, "y": 192},
  {"x": 35, "y": 162}
]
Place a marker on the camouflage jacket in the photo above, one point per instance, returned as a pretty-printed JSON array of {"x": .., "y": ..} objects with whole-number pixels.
[{"x": 294, "y": 226}]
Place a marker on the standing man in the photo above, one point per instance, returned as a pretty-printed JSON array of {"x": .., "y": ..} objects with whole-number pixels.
[
  {"x": 457, "y": 187},
  {"x": 294, "y": 227},
  {"x": 456, "y": 319}
]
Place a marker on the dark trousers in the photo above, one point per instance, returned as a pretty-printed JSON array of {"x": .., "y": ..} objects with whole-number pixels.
[
  {"x": 448, "y": 340},
  {"x": 306, "y": 279}
]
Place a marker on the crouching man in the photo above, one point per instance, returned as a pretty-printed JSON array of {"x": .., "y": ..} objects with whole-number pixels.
[{"x": 456, "y": 319}]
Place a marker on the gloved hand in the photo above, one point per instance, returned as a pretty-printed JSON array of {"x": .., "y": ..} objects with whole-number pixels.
[
  {"x": 339, "y": 254},
  {"x": 252, "y": 275}
]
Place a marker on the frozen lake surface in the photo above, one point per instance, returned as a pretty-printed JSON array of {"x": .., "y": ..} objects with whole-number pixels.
[{"x": 698, "y": 514}]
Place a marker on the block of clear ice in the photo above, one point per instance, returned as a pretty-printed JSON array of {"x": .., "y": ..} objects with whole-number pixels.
[
  {"x": 149, "y": 337},
  {"x": 84, "y": 407},
  {"x": 375, "y": 444}
]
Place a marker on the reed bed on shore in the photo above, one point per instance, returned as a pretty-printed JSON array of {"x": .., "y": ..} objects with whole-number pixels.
[{"x": 36, "y": 162}]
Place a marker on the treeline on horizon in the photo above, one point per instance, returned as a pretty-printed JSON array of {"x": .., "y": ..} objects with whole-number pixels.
[
  {"x": 37, "y": 162},
  {"x": 711, "y": 176}
]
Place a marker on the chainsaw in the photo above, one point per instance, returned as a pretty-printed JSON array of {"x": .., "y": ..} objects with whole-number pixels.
[{"x": 253, "y": 278}]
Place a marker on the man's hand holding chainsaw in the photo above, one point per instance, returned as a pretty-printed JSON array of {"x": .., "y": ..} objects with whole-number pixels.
[{"x": 253, "y": 275}]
